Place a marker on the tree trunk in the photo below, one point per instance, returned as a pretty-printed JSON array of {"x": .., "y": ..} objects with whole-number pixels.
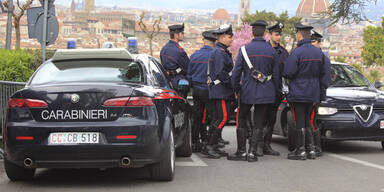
[
  {"x": 150, "y": 46},
  {"x": 16, "y": 24}
]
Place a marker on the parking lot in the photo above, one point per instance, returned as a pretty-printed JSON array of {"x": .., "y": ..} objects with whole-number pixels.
[{"x": 346, "y": 166}]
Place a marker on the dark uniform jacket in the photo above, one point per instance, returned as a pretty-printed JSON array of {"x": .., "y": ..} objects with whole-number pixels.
[
  {"x": 282, "y": 55},
  {"x": 197, "y": 67},
  {"x": 264, "y": 59},
  {"x": 173, "y": 57},
  {"x": 220, "y": 68},
  {"x": 306, "y": 70}
]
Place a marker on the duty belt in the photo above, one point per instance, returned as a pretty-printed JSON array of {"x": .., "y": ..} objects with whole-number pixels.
[
  {"x": 173, "y": 73},
  {"x": 257, "y": 75}
]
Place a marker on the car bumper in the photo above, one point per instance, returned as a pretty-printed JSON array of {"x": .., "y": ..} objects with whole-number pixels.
[
  {"x": 347, "y": 126},
  {"x": 146, "y": 149}
]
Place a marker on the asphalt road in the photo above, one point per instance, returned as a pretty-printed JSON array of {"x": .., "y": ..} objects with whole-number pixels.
[{"x": 346, "y": 166}]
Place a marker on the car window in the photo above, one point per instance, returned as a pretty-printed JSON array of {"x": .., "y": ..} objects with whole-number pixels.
[
  {"x": 347, "y": 76},
  {"x": 158, "y": 74},
  {"x": 89, "y": 71}
]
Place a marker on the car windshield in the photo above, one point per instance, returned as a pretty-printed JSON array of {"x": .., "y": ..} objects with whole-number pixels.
[
  {"x": 89, "y": 71},
  {"x": 347, "y": 76}
]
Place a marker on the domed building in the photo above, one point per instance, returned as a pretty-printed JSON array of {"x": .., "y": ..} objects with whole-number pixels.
[
  {"x": 310, "y": 8},
  {"x": 220, "y": 17}
]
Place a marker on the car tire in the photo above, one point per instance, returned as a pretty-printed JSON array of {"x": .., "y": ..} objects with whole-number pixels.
[
  {"x": 17, "y": 173},
  {"x": 165, "y": 169},
  {"x": 185, "y": 150},
  {"x": 291, "y": 131}
]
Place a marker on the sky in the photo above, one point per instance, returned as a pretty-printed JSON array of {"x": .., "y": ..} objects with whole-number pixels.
[{"x": 276, "y": 6}]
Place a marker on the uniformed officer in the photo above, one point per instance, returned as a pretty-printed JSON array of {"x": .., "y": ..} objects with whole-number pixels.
[
  {"x": 258, "y": 70},
  {"x": 173, "y": 57},
  {"x": 275, "y": 32},
  {"x": 197, "y": 74},
  {"x": 305, "y": 68},
  {"x": 317, "y": 39},
  {"x": 220, "y": 90}
]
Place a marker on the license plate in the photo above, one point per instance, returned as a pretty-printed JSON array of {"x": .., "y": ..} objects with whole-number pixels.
[
  {"x": 65, "y": 138},
  {"x": 382, "y": 124}
]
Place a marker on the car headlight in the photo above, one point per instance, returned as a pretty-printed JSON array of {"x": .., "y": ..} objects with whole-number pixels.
[{"x": 326, "y": 111}]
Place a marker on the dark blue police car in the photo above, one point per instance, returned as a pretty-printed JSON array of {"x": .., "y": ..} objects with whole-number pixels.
[
  {"x": 96, "y": 108},
  {"x": 353, "y": 110}
]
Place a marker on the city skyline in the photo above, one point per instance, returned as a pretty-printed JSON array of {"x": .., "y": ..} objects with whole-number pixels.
[{"x": 373, "y": 11}]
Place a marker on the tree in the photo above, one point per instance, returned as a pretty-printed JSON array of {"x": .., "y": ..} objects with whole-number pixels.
[
  {"x": 18, "y": 13},
  {"x": 348, "y": 11},
  {"x": 373, "y": 49},
  {"x": 271, "y": 18},
  {"x": 240, "y": 38},
  {"x": 150, "y": 33},
  {"x": 340, "y": 59}
]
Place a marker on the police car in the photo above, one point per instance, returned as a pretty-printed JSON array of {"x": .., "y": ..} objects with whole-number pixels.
[
  {"x": 97, "y": 108},
  {"x": 353, "y": 110}
]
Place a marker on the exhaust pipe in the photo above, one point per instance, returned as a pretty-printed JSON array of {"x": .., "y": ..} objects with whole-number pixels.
[
  {"x": 125, "y": 162},
  {"x": 28, "y": 162}
]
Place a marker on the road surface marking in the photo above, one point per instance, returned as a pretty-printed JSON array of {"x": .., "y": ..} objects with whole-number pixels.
[
  {"x": 196, "y": 162},
  {"x": 353, "y": 160}
]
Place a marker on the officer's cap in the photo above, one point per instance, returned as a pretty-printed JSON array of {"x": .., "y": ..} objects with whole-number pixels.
[
  {"x": 278, "y": 28},
  {"x": 301, "y": 27},
  {"x": 176, "y": 28},
  {"x": 260, "y": 23},
  {"x": 316, "y": 36},
  {"x": 224, "y": 29},
  {"x": 208, "y": 35}
]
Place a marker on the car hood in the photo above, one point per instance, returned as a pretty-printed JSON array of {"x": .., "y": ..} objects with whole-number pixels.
[{"x": 348, "y": 97}]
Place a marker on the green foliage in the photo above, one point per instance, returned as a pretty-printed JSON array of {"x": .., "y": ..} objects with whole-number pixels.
[
  {"x": 358, "y": 67},
  {"x": 373, "y": 49},
  {"x": 340, "y": 59},
  {"x": 272, "y": 18},
  {"x": 348, "y": 11},
  {"x": 15, "y": 65},
  {"x": 37, "y": 57},
  {"x": 372, "y": 76}
]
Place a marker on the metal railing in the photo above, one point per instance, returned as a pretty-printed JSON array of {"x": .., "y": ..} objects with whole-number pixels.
[{"x": 6, "y": 90}]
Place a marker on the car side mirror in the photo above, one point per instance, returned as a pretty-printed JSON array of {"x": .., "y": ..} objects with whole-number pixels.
[
  {"x": 183, "y": 85},
  {"x": 378, "y": 84}
]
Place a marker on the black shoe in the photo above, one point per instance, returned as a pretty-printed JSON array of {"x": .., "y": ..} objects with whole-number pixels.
[
  {"x": 319, "y": 152},
  {"x": 238, "y": 156},
  {"x": 269, "y": 151},
  {"x": 222, "y": 153},
  {"x": 222, "y": 141},
  {"x": 211, "y": 153},
  {"x": 259, "y": 149},
  {"x": 252, "y": 157},
  {"x": 311, "y": 155},
  {"x": 220, "y": 145},
  {"x": 297, "y": 155}
]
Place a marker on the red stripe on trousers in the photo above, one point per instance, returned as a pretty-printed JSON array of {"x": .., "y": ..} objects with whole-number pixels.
[
  {"x": 237, "y": 117},
  {"x": 205, "y": 115},
  {"x": 294, "y": 115},
  {"x": 312, "y": 119},
  {"x": 224, "y": 114}
]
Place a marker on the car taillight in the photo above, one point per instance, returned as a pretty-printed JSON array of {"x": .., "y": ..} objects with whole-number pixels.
[
  {"x": 26, "y": 103},
  {"x": 129, "y": 101}
]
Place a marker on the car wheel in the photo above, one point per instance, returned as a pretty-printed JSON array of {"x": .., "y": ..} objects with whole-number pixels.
[
  {"x": 165, "y": 169},
  {"x": 185, "y": 150},
  {"x": 17, "y": 173},
  {"x": 291, "y": 131}
]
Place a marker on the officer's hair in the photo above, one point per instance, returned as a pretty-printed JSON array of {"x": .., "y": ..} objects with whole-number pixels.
[
  {"x": 306, "y": 34},
  {"x": 172, "y": 34},
  {"x": 258, "y": 31}
]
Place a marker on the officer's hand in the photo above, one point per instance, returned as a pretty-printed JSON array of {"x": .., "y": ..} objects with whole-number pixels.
[{"x": 236, "y": 96}]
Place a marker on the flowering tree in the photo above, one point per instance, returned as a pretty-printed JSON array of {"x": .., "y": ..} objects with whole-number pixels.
[{"x": 241, "y": 38}]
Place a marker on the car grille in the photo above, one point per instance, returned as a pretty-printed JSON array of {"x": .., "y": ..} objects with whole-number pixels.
[{"x": 363, "y": 111}]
